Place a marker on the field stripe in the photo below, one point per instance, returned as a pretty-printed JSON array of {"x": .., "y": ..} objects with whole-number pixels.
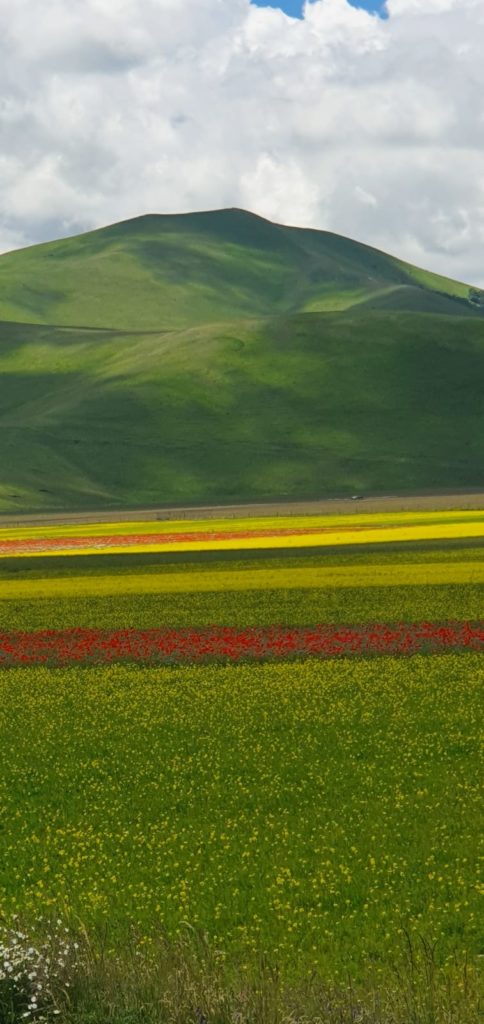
[
  {"x": 352, "y": 537},
  {"x": 48, "y": 545},
  {"x": 385, "y": 575},
  {"x": 68, "y": 646},
  {"x": 240, "y": 523}
]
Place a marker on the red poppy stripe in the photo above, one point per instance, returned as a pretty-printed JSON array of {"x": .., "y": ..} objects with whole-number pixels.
[
  {"x": 232, "y": 644},
  {"x": 21, "y": 546}
]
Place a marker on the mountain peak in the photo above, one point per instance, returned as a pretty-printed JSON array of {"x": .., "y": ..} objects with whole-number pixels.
[{"x": 165, "y": 271}]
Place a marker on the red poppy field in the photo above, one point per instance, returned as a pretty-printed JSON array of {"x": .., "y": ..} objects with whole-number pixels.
[{"x": 232, "y": 644}]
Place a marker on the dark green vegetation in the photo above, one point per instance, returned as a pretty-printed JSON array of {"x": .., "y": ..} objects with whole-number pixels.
[
  {"x": 249, "y": 608},
  {"x": 216, "y": 357}
]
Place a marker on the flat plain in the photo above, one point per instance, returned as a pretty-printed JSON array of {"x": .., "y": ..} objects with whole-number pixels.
[{"x": 312, "y": 812}]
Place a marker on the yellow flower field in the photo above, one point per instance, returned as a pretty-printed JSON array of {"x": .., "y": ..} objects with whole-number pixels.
[
  {"x": 278, "y": 533},
  {"x": 245, "y": 523},
  {"x": 385, "y": 575},
  {"x": 312, "y": 813}
]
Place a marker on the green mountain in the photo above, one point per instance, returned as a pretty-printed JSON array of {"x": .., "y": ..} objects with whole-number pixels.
[{"x": 217, "y": 356}]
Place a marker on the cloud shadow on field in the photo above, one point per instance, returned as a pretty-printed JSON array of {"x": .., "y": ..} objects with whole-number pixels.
[{"x": 307, "y": 406}]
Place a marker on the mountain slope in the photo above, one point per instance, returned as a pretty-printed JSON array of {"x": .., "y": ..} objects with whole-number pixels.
[
  {"x": 221, "y": 357},
  {"x": 159, "y": 273}
]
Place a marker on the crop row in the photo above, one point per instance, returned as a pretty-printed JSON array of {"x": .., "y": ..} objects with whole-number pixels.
[
  {"x": 33, "y": 545},
  {"x": 348, "y": 606},
  {"x": 259, "y": 537},
  {"x": 248, "y": 579},
  {"x": 234, "y": 644}
]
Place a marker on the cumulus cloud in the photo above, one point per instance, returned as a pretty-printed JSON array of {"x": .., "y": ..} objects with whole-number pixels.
[{"x": 342, "y": 121}]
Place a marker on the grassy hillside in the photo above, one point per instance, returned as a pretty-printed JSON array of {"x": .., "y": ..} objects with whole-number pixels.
[
  {"x": 158, "y": 273},
  {"x": 217, "y": 356}
]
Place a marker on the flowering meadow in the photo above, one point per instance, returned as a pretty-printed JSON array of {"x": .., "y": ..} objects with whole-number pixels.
[
  {"x": 287, "y": 774},
  {"x": 311, "y": 811}
]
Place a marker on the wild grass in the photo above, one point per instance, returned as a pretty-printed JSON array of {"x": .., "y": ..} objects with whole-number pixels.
[
  {"x": 180, "y": 985},
  {"x": 187, "y": 982}
]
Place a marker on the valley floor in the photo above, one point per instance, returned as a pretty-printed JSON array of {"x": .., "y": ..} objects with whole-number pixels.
[{"x": 249, "y": 791}]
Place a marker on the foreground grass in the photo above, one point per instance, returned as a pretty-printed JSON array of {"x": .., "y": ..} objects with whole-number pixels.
[
  {"x": 310, "y": 815},
  {"x": 187, "y": 982}
]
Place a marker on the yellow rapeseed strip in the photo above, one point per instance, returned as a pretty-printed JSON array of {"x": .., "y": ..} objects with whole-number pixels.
[
  {"x": 436, "y": 531},
  {"x": 253, "y": 523},
  {"x": 432, "y": 573}
]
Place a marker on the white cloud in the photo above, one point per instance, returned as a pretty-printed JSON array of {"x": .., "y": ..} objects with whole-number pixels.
[
  {"x": 341, "y": 121},
  {"x": 275, "y": 187}
]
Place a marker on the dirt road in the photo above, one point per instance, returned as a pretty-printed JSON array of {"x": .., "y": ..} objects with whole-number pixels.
[{"x": 326, "y": 506}]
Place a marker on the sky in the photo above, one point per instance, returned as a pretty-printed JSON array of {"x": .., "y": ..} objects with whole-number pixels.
[
  {"x": 295, "y": 8},
  {"x": 339, "y": 119}
]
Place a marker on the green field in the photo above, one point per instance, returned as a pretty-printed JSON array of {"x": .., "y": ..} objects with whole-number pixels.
[
  {"x": 307, "y": 812},
  {"x": 218, "y": 357},
  {"x": 251, "y": 608},
  {"x": 256, "y": 840}
]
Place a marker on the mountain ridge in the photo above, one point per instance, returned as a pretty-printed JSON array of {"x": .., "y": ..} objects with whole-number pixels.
[
  {"x": 216, "y": 356},
  {"x": 259, "y": 266}
]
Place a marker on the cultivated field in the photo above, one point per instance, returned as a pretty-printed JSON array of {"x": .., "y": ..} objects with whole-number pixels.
[
  {"x": 247, "y": 787},
  {"x": 241, "y": 534}
]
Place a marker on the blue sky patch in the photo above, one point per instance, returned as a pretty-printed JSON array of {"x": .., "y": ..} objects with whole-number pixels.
[{"x": 295, "y": 7}]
